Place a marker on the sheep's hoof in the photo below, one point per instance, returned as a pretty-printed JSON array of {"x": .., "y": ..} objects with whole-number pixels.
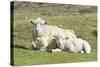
[
  {"x": 35, "y": 48},
  {"x": 49, "y": 50},
  {"x": 82, "y": 52}
]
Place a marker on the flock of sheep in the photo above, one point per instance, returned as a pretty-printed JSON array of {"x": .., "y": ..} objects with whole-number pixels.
[{"x": 55, "y": 39}]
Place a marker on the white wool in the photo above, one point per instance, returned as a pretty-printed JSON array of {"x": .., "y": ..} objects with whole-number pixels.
[
  {"x": 42, "y": 35},
  {"x": 73, "y": 45}
]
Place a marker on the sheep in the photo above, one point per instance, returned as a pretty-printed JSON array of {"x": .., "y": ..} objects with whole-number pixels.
[
  {"x": 43, "y": 34},
  {"x": 39, "y": 39},
  {"x": 73, "y": 45}
]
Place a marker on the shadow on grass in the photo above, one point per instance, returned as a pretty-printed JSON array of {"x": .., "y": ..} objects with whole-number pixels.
[{"x": 21, "y": 47}]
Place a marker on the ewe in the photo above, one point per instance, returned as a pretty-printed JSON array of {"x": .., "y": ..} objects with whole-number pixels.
[{"x": 43, "y": 34}]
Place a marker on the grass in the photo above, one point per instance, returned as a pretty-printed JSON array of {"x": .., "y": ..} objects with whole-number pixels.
[
  {"x": 81, "y": 23},
  {"x": 38, "y": 57}
]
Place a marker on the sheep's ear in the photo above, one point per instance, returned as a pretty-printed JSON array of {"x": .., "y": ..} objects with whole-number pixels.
[
  {"x": 31, "y": 21},
  {"x": 66, "y": 38}
]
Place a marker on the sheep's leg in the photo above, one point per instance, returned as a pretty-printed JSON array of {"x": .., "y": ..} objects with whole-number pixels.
[
  {"x": 86, "y": 48},
  {"x": 43, "y": 49},
  {"x": 56, "y": 50},
  {"x": 33, "y": 45},
  {"x": 45, "y": 44},
  {"x": 82, "y": 51}
]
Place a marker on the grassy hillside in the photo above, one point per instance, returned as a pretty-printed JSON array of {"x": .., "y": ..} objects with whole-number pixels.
[{"x": 82, "y": 19}]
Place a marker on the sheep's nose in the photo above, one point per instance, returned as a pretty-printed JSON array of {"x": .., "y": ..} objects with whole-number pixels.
[{"x": 37, "y": 31}]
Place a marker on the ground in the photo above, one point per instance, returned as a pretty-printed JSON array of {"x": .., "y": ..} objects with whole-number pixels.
[{"x": 82, "y": 19}]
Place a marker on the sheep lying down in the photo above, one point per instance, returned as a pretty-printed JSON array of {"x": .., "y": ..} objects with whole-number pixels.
[
  {"x": 43, "y": 34},
  {"x": 45, "y": 37},
  {"x": 76, "y": 45}
]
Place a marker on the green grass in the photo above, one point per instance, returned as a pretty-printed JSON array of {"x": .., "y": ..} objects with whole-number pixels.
[
  {"x": 26, "y": 57},
  {"x": 81, "y": 23}
]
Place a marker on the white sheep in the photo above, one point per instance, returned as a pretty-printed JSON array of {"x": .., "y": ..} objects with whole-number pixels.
[
  {"x": 43, "y": 34},
  {"x": 73, "y": 45}
]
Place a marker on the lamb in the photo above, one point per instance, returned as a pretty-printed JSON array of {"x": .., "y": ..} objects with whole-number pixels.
[{"x": 76, "y": 45}]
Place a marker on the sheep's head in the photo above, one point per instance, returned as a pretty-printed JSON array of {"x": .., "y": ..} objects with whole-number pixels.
[
  {"x": 60, "y": 41},
  {"x": 37, "y": 25}
]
